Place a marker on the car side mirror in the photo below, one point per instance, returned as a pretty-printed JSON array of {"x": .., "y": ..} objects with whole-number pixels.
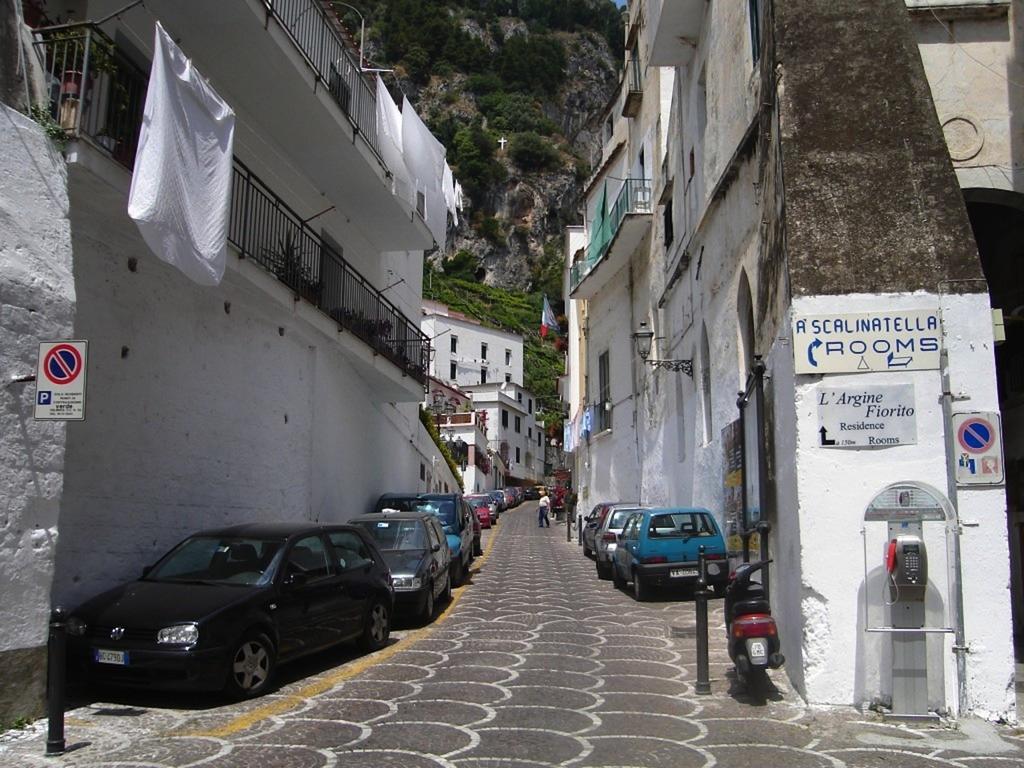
[{"x": 146, "y": 569}]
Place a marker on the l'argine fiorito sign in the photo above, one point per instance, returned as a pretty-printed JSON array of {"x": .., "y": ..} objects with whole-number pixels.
[
  {"x": 873, "y": 416},
  {"x": 889, "y": 340}
]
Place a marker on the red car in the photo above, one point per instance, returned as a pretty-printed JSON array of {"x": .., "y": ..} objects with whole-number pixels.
[{"x": 484, "y": 509}]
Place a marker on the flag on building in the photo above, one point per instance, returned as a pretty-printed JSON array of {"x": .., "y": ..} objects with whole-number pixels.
[{"x": 548, "y": 321}]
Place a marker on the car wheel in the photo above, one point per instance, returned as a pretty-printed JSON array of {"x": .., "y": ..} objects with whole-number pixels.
[
  {"x": 456, "y": 574},
  {"x": 251, "y": 666},
  {"x": 617, "y": 580},
  {"x": 587, "y": 551},
  {"x": 428, "y": 604},
  {"x": 640, "y": 590},
  {"x": 603, "y": 571},
  {"x": 377, "y": 628},
  {"x": 477, "y": 549}
]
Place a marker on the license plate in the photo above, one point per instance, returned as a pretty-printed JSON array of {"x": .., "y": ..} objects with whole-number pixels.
[
  {"x": 758, "y": 650},
  {"x": 110, "y": 657},
  {"x": 681, "y": 573}
]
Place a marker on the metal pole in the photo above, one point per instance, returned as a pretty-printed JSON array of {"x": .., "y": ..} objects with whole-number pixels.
[
  {"x": 703, "y": 682},
  {"x": 56, "y": 678}
]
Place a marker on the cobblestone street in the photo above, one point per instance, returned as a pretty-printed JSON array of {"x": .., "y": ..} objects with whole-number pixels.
[{"x": 538, "y": 663}]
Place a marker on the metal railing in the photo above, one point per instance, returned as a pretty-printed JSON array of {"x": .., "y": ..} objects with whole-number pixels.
[
  {"x": 95, "y": 91},
  {"x": 267, "y": 231},
  {"x": 311, "y": 30},
  {"x": 635, "y": 197}
]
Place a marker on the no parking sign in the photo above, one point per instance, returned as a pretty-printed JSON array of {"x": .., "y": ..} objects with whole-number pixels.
[
  {"x": 60, "y": 380},
  {"x": 979, "y": 449}
]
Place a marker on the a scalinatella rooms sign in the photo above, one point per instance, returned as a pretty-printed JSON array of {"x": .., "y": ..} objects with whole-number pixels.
[{"x": 866, "y": 342}]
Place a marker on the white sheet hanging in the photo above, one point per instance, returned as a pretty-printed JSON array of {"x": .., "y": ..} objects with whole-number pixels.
[
  {"x": 448, "y": 189},
  {"x": 181, "y": 185},
  {"x": 424, "y": 156},
  {"x": 389, "y": 135}
]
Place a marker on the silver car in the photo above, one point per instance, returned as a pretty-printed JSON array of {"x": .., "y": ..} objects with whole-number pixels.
[{"x": 608, "y": 527}]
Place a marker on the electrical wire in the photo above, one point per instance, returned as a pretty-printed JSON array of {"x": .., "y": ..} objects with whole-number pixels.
[{"x": 966, "y": 53}]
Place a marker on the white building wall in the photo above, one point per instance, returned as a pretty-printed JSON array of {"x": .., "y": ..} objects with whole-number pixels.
[
  {"x": 37, "y": 302},
  {"x": 468, "y": 356}
]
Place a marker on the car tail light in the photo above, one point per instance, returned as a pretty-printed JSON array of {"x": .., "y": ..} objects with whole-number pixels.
[
  {"x": 754, "y": 625},
  {"x": 714, "y": 557},
  {"x": 608, "y": 537},
  {"x": 654, "y": 559}
]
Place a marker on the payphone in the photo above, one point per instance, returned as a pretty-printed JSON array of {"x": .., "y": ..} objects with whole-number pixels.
[{"x": 906, "y": 563}]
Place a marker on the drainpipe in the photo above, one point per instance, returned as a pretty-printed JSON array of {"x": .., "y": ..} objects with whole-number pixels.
[{"x": 960, "y": 647}]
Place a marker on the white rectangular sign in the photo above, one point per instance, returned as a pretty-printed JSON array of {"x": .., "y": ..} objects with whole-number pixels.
[
  {"x": 978, "y": 443},
  {"x": 60, "y": 380},
  {"x": 874, "y": 416},
  {"x": 891, "y": 340}
]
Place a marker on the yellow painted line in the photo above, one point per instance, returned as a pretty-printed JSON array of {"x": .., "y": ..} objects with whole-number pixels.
[{"x": 294, "y": 700}]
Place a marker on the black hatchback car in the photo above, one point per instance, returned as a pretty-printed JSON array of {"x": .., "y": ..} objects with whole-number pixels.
[
  {"x": 416, "y": 550},
  {"x": 221, "y": 609}
]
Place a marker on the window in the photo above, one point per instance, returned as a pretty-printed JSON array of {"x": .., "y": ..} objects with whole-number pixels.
[
  {"x": 483, "y": 351},
  {"x": 504, "y": 418},
  {"x": 519, "y": 397},
  {"x": 754, "y": 7},
  {"x": 309, "y": 557},
  {"x": 350, "y": 550},
  {"x": 508, "y": 378},
  {"x": 423, "y": 472},
  {"x": 529, "y": 433},
  {"x": 483, "y": 375},
  {"x": 670, "y": 230},
  {"x": 452, "y": 370},
  {"x": 519, "y": 425},
  {"x": 508, "y": 357},
  {"x": 604, "y": 395},
  {"x": 517, "y": 455},
  {"x": 455, "y": 344},
  {"x": 530, "y": 401}
]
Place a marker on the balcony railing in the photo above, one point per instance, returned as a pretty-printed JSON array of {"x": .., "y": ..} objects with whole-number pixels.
[
  {"x": 635, "y": 197},
  {"x": 633, "y": 85},
  {"x": 97, "y": 94},
  {"x": 320, "y": 43},
  {"x": 95, "y": 91},
  {"x": 267, "y": 231}
]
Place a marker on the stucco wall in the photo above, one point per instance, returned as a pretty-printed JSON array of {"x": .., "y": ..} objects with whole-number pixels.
[{"x": 37, "y": 302}]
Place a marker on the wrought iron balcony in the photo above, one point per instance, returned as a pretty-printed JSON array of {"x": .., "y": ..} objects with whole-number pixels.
[
  {"x": 317, "y": 35},
  {"x": 96, "y": 93},
  {"x": 634, "y": 85},
  {"x": 264, "y": 229},
  {"x": 633, "y": 199}
]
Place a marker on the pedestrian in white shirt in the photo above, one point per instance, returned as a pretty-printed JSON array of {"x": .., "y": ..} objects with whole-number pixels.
[{"x": 542, "y": 511}]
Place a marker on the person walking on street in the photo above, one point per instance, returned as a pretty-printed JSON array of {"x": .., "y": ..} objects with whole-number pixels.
[{"x": 542, "y": 511}]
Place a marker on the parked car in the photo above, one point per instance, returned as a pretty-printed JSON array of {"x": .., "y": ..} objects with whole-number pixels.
[
  {"x": 659, "y": 547},
  {"x": 483, "y": 506},
  {"x": 224, "y": 607},
  {"x": 417, "y": 552},
  {"x": 499, "y": 500},
  {"x": 531, "y": 493},
  {"x": 599, "y": 532},
  {"x": 510, "y": 498},
  {"x": 456, "y": 520}
]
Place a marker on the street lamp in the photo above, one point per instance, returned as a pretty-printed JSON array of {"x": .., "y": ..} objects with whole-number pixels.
[
  {"x": 362, "y": 38},
  {"x": 643, "y": 338}
]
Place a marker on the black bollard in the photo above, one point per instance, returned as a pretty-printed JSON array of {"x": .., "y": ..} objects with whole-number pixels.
[
  {"x": 701, "y": 599},
  {"x": 579, "y": 530},
  {"x": 56, "y": 678}
]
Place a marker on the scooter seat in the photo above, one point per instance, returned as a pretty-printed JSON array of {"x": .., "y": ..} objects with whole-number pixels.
[{"x": 752, "y": 605}]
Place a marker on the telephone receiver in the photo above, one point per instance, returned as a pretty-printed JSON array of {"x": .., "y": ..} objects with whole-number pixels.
[{"x": 890, "y": 556}]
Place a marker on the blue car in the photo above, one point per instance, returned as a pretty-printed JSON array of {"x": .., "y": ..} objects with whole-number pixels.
[{"x": 659, "y": 548}]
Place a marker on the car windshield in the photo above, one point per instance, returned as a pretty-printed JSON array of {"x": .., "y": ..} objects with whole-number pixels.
[
  {"x": 681, "y": 524},
  {"x": 393, "y": 535},
  {"x": 619, "y": 518},
  {"x": 219, "y": 560},
  {"x": 445, "y": 510}
]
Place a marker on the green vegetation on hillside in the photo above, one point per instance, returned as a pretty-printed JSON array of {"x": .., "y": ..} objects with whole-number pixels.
[{"x": 511, "y": 311}]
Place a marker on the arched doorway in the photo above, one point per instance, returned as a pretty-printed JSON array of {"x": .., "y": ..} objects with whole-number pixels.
[{"x": 997, "y": 218}]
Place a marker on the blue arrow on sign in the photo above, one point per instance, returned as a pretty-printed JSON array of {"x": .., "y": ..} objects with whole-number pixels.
[
  {"x": 898, "y": 362},
  {"x": 810, "y": 351}
]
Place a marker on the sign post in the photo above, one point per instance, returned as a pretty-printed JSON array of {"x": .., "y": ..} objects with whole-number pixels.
[
  {"x": 979, "y": 449},
  {"x": 867, "y": 342},
  {"x": 60, "y": 381}
]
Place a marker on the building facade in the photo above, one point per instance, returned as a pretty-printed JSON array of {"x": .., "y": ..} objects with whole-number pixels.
[
  {"x": 769, "y": 191},
  {"x": 290, "y": 391}
]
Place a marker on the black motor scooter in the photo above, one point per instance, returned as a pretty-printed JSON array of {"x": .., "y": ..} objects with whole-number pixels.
[{"x": 750, "y": 629}]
